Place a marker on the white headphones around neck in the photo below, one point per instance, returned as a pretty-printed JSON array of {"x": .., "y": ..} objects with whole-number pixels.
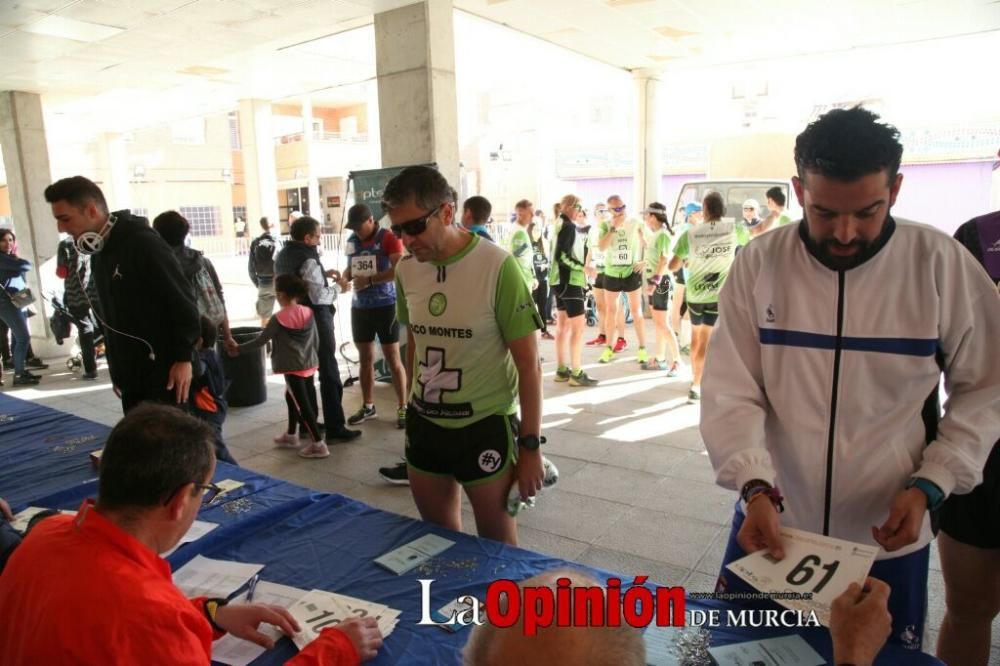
[{"x": 92, "y": 242}]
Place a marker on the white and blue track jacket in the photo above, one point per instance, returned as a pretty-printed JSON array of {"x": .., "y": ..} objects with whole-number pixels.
[{"x": 818, "y": 380}]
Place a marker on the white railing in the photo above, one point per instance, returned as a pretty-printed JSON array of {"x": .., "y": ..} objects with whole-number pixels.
[
  {"x": 326, "y": 137},
  {"x": 219, "y": 246}
]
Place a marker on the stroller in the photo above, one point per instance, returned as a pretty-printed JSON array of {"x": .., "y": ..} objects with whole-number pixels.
[{"x": 61, "y": 322}]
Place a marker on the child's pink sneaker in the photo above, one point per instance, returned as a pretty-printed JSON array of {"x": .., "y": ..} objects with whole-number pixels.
[
  {"x": 287, "y": 441},
  {"x": 315, "y": 450}
]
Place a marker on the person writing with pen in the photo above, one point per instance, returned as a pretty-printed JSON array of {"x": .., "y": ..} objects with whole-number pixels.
[{"x": 93, "y": 589}]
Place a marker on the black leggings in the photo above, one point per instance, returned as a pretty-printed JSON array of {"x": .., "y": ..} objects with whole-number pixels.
[
  {"x": 541, "y": 296},
  {"x": 300, "y": 396}
]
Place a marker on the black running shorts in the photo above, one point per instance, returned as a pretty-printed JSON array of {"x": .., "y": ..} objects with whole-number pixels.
[{"x": 478, "y": 453}]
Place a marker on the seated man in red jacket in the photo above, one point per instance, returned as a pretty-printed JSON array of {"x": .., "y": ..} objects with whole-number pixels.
[{"x": 92, "y": 588}]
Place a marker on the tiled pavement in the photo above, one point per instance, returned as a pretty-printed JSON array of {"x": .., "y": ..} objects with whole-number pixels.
[{"x": 636, "y": 492}]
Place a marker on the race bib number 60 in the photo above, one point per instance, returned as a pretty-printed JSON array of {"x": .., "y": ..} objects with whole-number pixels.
[
  {"x": 621, "y": 258},
  {"x": 363, "y": 266}
]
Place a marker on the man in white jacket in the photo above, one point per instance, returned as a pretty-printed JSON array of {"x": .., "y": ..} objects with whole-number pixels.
[{"x": 824, "y": 369}]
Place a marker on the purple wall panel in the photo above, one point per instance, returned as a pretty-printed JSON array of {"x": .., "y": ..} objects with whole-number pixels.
[{"x": 944, "y": 195}]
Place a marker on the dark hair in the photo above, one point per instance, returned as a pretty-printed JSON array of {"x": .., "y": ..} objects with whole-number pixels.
[
  {"x": 209, "y": 333},
  {"x": 714, "y": 205},
  {"x": 151, "y": 454},
  {"x": 776, "y": 195},
  {"x": 8, "y": 232},
  {"x": 172, "y": 227},
  {"x": 264, "y": 224},
  {"x": 291, "y": 285},
  {"x": 847, "y": 144},
  {"x": 77, "y": 191},
  {"x": 614, "y": 196},
  {"x": 302, "y": 227},
  {"x": 524, "y": 203},
  {"x": 480, "y": 207},
  {"x": 425, "y": 186}
]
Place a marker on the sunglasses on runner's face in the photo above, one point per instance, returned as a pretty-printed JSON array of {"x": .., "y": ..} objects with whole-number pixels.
[
  {"x": 618, "y": 209},
  {"x": 414, "y": 227}
]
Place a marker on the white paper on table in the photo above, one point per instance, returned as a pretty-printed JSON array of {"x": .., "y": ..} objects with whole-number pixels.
[
  {"x": 198, "y": 529},
  {"x": 320, "y": 610},
  {"x": 205, "y": 577},
  {"x": 660, "y": 645},
  {"x": 22, "y": 518},
  {"x": 238, "y": 652},
  {"x": 813, "y": 564},
  {"x": 781, "y": 651},
  {"x": 314, "y": 612}
]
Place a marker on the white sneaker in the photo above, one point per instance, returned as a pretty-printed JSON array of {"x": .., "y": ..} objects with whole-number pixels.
[
  {"x": 315, "y": 450},
  {"x": 551, "y": 473},
  {"x": 287, "y": 441}
]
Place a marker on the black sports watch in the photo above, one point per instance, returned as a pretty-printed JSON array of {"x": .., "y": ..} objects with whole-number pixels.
[{"x": 530, "y": 442}]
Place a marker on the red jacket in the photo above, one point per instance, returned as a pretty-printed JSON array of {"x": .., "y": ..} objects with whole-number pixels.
[{"x": 81, "y": 590}]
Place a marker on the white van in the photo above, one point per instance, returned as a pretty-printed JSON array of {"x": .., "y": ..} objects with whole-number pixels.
[{"x": 734, "y": 193}]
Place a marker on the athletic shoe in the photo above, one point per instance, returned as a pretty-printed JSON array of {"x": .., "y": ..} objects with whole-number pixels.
[
  {"x": 641, "y": 355},
  {"x": 36, "y": 363},
  {"x": 363, "y": 414},
  {"x": 547, "y": 336},
  {"x": 551, "y": 473},
  {"x": 287, "y": 441},
  {"x": 90, "y": 376},
  {"x": 26, "y": 379},
  {"x": 686, "y": 349},
  {"x": 401, "y": 418},
  {"x": 675, "y": 369},
  {"x": 314, "y": 450},
  {"x": 581, "y": 379},
  {"x": 621, "y": 345},
  {"x": 600, "y": 340},
  {"x": 694, "y": 395},
  {"x": 606, "y": 355},
  {"x": 563, "y": 374},
  {"x": 397, "y": 475},
  {"x": 342, "y": 435},
  {"x": 655, "y": 364}
]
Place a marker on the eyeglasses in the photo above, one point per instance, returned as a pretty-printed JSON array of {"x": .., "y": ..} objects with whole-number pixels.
[
  {"x": 749, "y": 208},
  {"x": 415, "y": 227},
  {"x": 618, "y": 209},
  {"x": 209, "y": 492}
]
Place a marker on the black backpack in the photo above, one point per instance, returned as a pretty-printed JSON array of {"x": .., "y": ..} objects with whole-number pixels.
[{"x": 263, "y": 256}]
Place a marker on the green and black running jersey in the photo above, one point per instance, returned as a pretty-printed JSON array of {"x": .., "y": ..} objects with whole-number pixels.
[
  {"x": 623, "y": 252},
  {"x": 710, "y": 248},
  {"x": 462, "y": 313}
]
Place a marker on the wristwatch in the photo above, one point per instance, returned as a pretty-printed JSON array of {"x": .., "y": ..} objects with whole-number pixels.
[
  {"x": 935, "y": 496},
  {"x": 530, "y": 442},
  {"x": 212, "y": 607}
]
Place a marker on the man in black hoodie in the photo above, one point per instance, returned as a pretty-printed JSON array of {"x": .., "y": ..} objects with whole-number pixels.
[{"x": 148, "y": 307}]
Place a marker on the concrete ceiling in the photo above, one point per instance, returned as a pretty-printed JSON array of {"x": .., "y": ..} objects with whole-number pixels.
[{"x": 121, "y": 64}]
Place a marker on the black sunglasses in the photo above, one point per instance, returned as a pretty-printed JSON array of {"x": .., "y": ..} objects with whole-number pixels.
[{"x": 414, "y": 227}]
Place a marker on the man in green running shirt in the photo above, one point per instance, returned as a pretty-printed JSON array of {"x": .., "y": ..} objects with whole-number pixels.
[
  {"x": 473, "y": 357},
  {"x": 709, "y": 249}
]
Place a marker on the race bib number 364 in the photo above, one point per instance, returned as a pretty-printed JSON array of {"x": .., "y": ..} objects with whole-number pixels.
[{"x": 363, "y": 266}]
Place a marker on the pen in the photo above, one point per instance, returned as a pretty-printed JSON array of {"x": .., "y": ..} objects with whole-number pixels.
[{"x": 252, "y": 587}]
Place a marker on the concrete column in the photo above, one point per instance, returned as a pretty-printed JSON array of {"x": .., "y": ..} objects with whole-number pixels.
[
  {"x": 648, "y": 171},
  {"x": 415, "y": 64},
  {"x": 26, "y": 161},
  {"x": 316, "y": 208},
  {"x": 257, "y": 146}
]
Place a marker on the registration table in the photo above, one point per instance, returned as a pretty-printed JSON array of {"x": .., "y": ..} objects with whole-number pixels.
[{"x": 313, "y": 540}]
